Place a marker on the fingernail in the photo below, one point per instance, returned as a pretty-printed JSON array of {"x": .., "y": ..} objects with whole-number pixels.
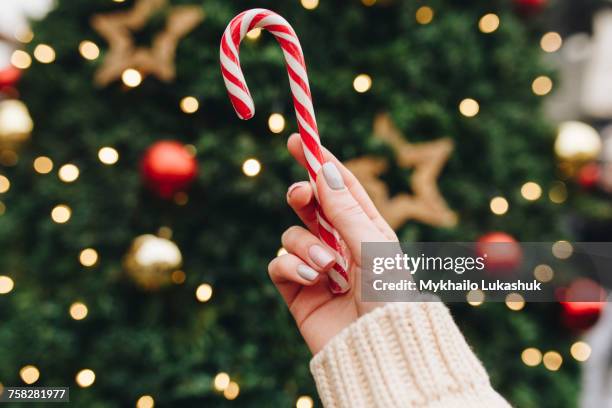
[
  {"x": 333, "y": 176},
  {"x": 320, "y": 256},
  {"x": 307, "y": 272},
  {"x": 294, "y": 187}
]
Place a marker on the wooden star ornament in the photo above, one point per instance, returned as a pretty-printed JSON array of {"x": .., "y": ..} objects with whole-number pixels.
[
  {"x": 427, "y": 159},
  {"x": 117, "y": 28}
]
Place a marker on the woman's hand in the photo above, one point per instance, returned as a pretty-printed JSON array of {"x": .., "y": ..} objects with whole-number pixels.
[{"x": 300, "y": 275}]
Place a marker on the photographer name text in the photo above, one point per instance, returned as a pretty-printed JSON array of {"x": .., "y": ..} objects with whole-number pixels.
[{"x": 464, "y": 285}]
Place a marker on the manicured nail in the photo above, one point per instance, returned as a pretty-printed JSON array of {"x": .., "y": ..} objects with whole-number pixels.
[
  {"x": 294, "y": 187},
  {"x": 320, "y": 256},
  {"x": 307, "y": 272},
  {"x": 333, "y": 176}
]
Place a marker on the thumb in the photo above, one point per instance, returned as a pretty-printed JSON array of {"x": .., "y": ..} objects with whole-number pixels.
[{"x": 344, "y": 212}]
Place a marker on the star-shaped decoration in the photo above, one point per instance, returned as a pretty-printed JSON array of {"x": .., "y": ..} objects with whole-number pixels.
[
  {"x": 427, "y": 159},
  {"x": 158, "y": 60}
]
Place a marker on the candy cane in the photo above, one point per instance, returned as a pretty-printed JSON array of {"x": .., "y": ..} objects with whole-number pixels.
[{"x": 302, "y": 101}]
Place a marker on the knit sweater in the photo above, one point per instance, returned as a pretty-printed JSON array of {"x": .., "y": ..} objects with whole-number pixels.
[{"x": 402, "y": 355}]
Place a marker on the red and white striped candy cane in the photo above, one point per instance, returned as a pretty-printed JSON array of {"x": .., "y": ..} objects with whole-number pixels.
[{"x": 302, "y": 100}]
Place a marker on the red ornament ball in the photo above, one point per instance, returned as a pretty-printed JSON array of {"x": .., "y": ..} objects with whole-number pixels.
[
  {"x": 9, "y": 76},
  {"x": 589, "y": 175},
  {"x": 502, "y": 253},
  {"x": 530, "y": 6},
  {"x": 582, "y": 302},
  {"x": 168, "y": 168}
]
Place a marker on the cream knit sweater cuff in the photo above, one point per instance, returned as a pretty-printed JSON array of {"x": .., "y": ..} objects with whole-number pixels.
[{"x": 402, "y": 355}]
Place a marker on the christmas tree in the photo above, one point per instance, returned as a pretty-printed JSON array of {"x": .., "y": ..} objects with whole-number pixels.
[{"x": 205, "y": 327}]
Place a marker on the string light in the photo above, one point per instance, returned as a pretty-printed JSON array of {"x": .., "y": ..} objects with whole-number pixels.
[
  {"x": 78, "y": 311},
  {"x": 5, "y": 184},
  {"x": 68, "y": 173},
  {"x": 254, "y": 34},
  {"x": 368, "y": 3},
  {"x": 543, "y": 273},
  {"x": 178, "y": 277},
  {"x": 15, "y": 120},
  {"x": 44, "y": 53},
  {"x": 204, "y": 292},
  {"x": 542, "y": 85},
  {"x": 85, "y": 378},
  {"x": 21, "y": 59},
  {"x": 89, "y": 50},
  {"x": 362, "y": 83},
  {"x": 304, "y": 402},
  {"x": 61, "y": 213},
  {"x": 515, "y": 302},
  {"x": 552, "y": 360},
  {"x": 558, "y": 192},
  {"x": 165, "y": 232},
  {"x": 488, "y": 23},
  {"x": 8, "y": 157},
  {"x": 310, "y": 4},
  {"x": 221, "y": 381},
  {"x": 232, "y": 391},
  {"x": 424, "y": 15},
  {"x": 475, "y": 297},
  {"x": 276, "y": 123},
  {"x": 189, "y": 104},
  {"x": 281, "y": 251},
  {"x": 6, "y": 284},
  {"x": 551, "y": 42},
  {"x": 531, "y": 356},
  {"x": 251, "y": 167},
  {"x": 29, "y": 374},
  {"x": 562, "y": 249},
  {"x": 581, "y": 351},
  {"x": 499, "y": 205},
  {"x": 88, "y": 257},
  {"x": 43, "y": 165},
  {"x": 146, "y": 401},
  {"x": 24, "y": 35},
  {"x": 131, "y": 77},
  {"x": 191, "y": 149},
  {"x": 181, "y": 198},
  {"x": 108, "y": 155},
  {"x": 531, "y": 191},
  {"x": 469, "y": 107}
]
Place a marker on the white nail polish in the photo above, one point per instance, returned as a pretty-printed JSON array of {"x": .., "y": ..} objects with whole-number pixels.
[
  {"x": 307, "y": 272},
  {"x": 333, "y": 176},
  {"x": 320, "y": 256}
]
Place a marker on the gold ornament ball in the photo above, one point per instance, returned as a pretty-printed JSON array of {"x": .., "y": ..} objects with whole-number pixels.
[
  {"x": 15, "y": 123},
  {"x": 151, "y": 260},
  {"x": 577, "y": 141}
]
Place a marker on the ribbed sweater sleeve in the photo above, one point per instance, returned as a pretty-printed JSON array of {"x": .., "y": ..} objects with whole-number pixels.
[{"x": 402, "y": 355}]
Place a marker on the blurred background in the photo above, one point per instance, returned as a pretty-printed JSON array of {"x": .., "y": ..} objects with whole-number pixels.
[{"x": 138, "y": 213}]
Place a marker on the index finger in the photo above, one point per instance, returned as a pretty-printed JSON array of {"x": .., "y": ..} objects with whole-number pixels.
[{"x": 301, "y": 199}]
